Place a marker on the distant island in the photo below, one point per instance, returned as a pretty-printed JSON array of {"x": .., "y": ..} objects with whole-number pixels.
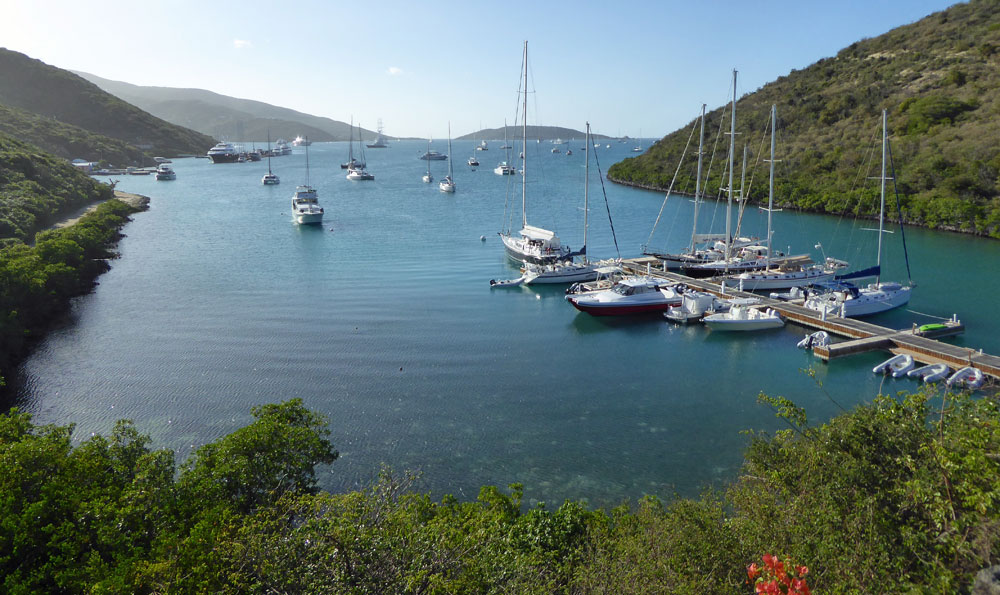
[{"x": 534, "y": 133}]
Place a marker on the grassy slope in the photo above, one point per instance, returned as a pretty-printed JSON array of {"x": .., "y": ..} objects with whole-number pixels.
[{"x": 36, "y": 87}]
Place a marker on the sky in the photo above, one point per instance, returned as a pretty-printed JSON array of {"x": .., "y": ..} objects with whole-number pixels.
[{"x": 636, "y": 68}]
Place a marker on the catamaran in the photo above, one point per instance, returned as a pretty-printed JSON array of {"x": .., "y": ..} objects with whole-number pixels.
[{"x": 305, "y": 202}]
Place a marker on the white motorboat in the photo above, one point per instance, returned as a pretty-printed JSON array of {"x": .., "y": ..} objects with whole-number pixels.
[
  {"x": 847, "y": 299},
  {"x": 607, "y": 277},
  {"x": 897, "y": 365},
  {"x": 695, "y": 305},
  {"x": 532, "y": 244},
  {"x": 224, "y": 153},
  {"x": 305, "y": 202},
  {"x": 631, "y": 295},
  {"x": 968, "y": 377},
  {"x": 164, "y": 172},
  {"x": 270, "y": 178},
  {"x": 744, "y": 317},
  {"x": 930, "y": 373},
  {"x": 433, "y": 156},
  {"x": 301, "y": 141},
  {"x": 281, "y": 147},
  {"x": 483, "y": 146},
  {"x": 504, "y": 169},
  {"x": 473, "y": 162},
  {"x": 448, "y": 183}
]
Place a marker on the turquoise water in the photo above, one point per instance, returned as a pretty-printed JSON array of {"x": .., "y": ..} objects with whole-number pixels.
[{"x": 383, "y": 319}]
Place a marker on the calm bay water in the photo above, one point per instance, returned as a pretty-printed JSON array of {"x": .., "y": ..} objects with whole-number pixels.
[{"x": 383, "y": 320}]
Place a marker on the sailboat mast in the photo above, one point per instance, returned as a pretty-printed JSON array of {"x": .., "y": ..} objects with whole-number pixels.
[
  {"x": 586, "y": 193},
  {"x": 450, "y": 172},
  {"x": 881, "y": 212},
  {"x": 770, "y": 192},
  {"x": 307, "y": 165},
  {"x": 350, "y": 142},
  {"x": 732, "y": 160},
  {"x": 524, "y": 140},
  {"x": 268, "y": 151},
  {"x": 697, "y": 182}
]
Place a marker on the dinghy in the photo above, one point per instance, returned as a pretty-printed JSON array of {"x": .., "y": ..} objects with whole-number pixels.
[
  {"x": 506, "y": 282},
  {"x": 931, "y": 373},
  {"x": 968, "y": 377},
  {"x": 897, "y": 365},
  {"x": 817, "y": 339}
]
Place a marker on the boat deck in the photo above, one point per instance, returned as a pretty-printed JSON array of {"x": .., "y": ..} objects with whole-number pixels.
[{"x": 861, "y": 336}]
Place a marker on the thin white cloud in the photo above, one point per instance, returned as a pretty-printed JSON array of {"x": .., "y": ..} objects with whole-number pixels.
[
  {"x": 394, "y": 71},
  {"x": 241, "y": 44}
]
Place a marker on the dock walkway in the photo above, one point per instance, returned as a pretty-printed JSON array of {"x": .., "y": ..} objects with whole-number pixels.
[{"x": 862, "y": 336}]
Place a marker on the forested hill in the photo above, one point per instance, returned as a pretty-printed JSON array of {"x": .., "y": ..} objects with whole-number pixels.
[
  {"x": 47, "y": 91},
  {"x": 939, "y": 79}
]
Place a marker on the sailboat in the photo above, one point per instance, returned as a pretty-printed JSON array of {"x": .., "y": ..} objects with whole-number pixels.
[
  {"x": 504, "y": 168},
  {"x": 448, "y": 183},
  {"x": 568, "y": 271},
  {"x": 305, "y": 202},
  {"x": 270, "y": 178},
  {"x": 357, "y": 171},
  {"x": 380, "y": 139},
  {"x": 638, "y": 148},
  {"x": 428, "y": 178},
  {"x": 351, "y": 161},
  {"x": 535, "y": 244},
  {"x": 848, "y": 300}
]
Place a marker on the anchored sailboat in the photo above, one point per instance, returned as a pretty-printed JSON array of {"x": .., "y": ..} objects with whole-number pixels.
[{"x": 448, "y": 183}]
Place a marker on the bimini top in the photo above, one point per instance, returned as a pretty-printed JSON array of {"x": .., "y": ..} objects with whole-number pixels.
[{"x": 537, "y": 233}]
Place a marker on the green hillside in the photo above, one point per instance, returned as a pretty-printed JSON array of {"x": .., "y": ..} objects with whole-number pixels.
[
  {"x": 37, "y": 188},
  {"x": 940, "y": 80},
  {"x": 47, "y": 91},
  {"x": 68, "y": 141},
  {"x": 221, "y": 116},
  {"x": 534, "y": 133}
]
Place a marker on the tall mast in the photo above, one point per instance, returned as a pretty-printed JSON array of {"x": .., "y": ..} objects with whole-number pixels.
[
  {"x": 697, "y": 183},
  {"x": 881, "y": 212},
  {"x": 350, "y": 142},
  {"x": 732, "y": 160},
  {"x": 586, "y": 193},
  {"x": 450, "y": 172},
  {"x": 524, "y": 140},
  {"x": 770, "y": 192},
  {"x": 268, "y": 151}
]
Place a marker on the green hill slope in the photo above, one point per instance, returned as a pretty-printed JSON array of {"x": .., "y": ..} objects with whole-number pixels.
[
  {"x": 940, "y": 80},
  {"x": 36, "y": 87},
  {"x": 36, "y": 188},
  {"x": 225, "y": 117},
  {"x": 66, "y": 140}
]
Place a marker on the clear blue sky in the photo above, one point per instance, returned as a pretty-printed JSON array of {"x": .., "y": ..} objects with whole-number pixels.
[{"x": 628, "y": 67}]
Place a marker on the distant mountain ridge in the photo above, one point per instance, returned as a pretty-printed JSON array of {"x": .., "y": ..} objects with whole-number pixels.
[
  {"x": 533, "y": 133},
  {"x": 224, "y": 117},
  {"x": 51, "y": 94},
  {"x": 940, "y": 80}
]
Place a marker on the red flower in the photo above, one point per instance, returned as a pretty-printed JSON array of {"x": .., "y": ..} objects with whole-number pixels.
[
  {"x": 753, "y": 570},
  {"x": 801, "y": 570}
]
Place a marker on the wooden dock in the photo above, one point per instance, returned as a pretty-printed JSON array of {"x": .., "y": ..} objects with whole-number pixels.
[{"x": 861, "y": 336}]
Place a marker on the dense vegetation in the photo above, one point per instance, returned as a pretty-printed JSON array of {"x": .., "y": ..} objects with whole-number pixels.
[
  {"x": 51, "y": 92},
  {"x": 36, "y": 188},
  {"x": 36, "y": 282},
  {"x": 227, "y": 117},
  {"x": 940, "y": 80},
  {"x": 902, "y": 495},
  {"x": 68, "y": 141}
]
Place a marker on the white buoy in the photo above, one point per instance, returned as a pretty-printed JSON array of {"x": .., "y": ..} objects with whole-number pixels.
[{"x": 482, "y": 238}]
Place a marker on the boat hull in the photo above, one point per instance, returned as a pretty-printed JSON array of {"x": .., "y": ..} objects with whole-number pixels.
[
  {"x": 309, "y": 218},
  {"x": 224, "y": 157},
  {"x": 611, "y": 309},
  {"x": 562, "y": 275}
]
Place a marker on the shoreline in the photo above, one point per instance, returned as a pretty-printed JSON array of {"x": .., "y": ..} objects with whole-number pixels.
[
  {"x": 801, "y": 210},
  {"x": 137, "y": 201}
]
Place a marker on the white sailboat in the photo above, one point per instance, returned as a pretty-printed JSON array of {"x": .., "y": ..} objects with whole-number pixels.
[
  {"x": 270, "y": 178},
  {"x": 428, "y": 178},
  {"x": 534, "y": 244},
  {"x": 568, "y": 271},
  {"x": 351, "y": 161},
  {"x": 305, "y": 202},
  {"x": 785, "y": 273},
  {"x": 504, "y": 168},
  {"x": 357, "y": 172},
  {"x": 448, "y": 183},
  {"x": 849, "y": 300}
]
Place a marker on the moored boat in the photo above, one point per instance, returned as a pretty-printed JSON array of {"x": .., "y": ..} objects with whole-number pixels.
[
  {"x": 930, "y": 373},
  {"x": 968, "y": 377},
  {"x": 897, "y": 365},
  {"x": 632, "y": 295},
  {"x": 224, "y": 153},
  {"x": 744, "y": 317},
  {"x": 164, "y": 172}
]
